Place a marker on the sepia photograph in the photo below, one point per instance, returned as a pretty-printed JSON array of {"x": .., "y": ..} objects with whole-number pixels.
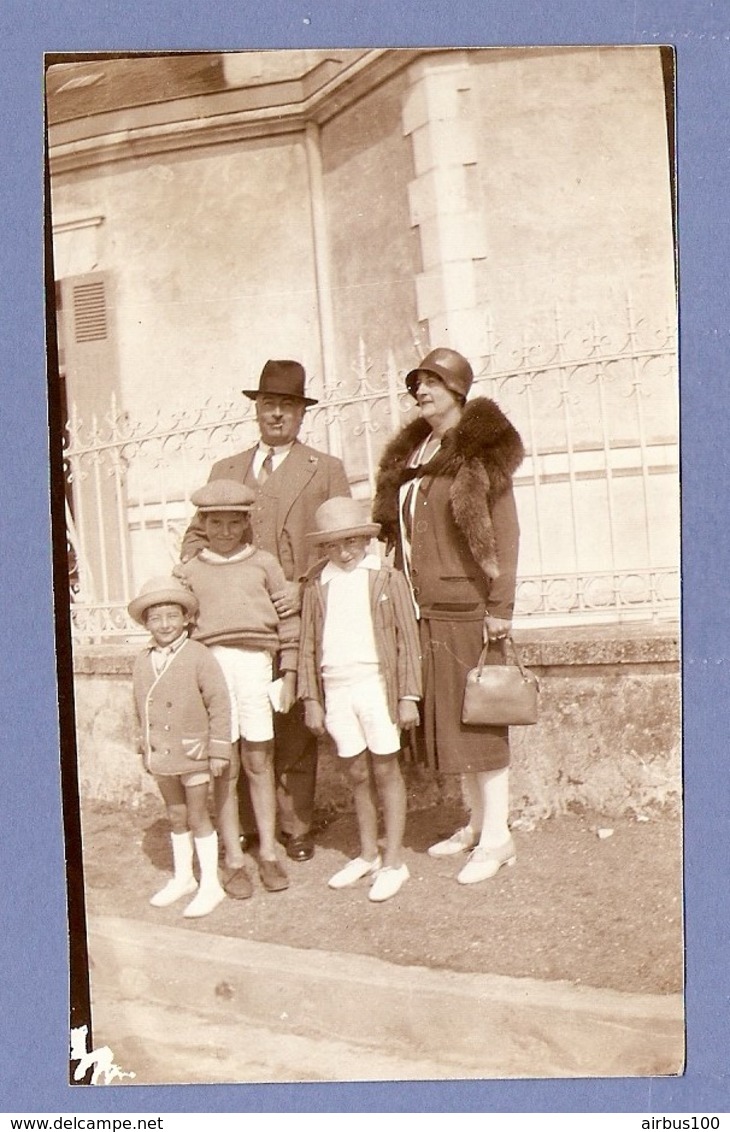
[{"x": 391, "y": 332}]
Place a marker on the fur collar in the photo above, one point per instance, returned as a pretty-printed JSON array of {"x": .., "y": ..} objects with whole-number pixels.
[{"x": 480, "y": 455}]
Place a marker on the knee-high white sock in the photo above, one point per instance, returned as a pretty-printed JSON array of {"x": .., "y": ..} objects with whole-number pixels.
[
  {"x": 206, "y": 849},
  {"x": 182, "y": 854},
  {"x": 210, "y": 892}
]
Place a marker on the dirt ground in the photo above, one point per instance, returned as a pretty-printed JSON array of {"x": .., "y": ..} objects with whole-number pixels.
[{"x": 582, "y": 905}]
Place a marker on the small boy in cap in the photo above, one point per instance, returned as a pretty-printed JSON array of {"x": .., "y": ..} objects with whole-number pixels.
[
  {"x": 184, "y": 712},
  {"x": 233, "y": 582},
  {"x": 360, "y": 680}
]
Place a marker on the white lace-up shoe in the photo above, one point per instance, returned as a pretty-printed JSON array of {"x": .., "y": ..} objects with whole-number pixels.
[
  {"x": 459, "y": 842},
  {"x": 354, "y": 871},
  {"x": 486, "y": 863},
  {"x": 388, "y": 882}
]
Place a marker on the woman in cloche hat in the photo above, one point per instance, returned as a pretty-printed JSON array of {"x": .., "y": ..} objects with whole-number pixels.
[{"x": 444, "y": 499}]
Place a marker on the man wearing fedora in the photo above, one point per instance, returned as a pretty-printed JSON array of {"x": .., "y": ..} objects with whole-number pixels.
[{"x": 290, "y": 481}]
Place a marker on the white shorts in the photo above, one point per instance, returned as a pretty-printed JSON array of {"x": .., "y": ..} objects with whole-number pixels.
[
  {"x": 248, "y": 675},
  {"x": 193, "y": 778},
  {"x": 357, "y": 716}
]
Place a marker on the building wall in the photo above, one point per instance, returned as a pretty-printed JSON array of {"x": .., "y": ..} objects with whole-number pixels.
[
  {"x": 575, "y": 186},
  {"x": 211, "y": 255},
  {"x": 542, "y": 179},
  {"x": 466, "y": 197},
  {"x": 367, "y": 164}
]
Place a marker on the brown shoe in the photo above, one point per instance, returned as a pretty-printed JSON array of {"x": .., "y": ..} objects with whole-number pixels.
[
  {"x": 273, "y": 877},
  {"x": 238, "y": 884},
  {"x": 300, "y": 848}
]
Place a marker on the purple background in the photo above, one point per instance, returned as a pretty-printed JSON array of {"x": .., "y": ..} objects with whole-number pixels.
[{"x": 33, "y": 1052}]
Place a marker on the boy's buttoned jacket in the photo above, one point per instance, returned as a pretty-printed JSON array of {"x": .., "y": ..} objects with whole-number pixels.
[
  {"x": 184, "y": 713},
  {"x": 394, "y": 628}
]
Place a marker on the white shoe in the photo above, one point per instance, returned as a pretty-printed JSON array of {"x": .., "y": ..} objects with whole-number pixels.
[
  {"x": 459, "y": 842},
  {"x": 486, "y": 863},
  {"x": 354, "y": 871},
  {"x": 207, "y": 899},
  {"x": 388, "y": 882},
  {"x": 174, "y": 890}
]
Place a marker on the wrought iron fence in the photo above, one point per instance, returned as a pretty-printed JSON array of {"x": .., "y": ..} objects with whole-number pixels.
[{"x": 597, "y": 494}]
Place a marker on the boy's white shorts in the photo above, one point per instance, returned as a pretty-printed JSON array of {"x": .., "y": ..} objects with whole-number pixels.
[
  {"x": 357, "y": 716},
  {"x": 248, "y": 675}
]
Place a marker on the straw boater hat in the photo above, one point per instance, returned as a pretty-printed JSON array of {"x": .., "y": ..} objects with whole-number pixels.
[
  {"x": 284, "y": 378},
  {"x": 341, "y": 517},
  {"x": 452, "y": 368},
  {"x": 162, "y": 591},
  {"x": 223, "y": 495}
]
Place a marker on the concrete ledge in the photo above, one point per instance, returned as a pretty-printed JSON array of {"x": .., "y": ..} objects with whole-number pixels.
[
  {"x": 473, "y": 1025},
  {"x": 586, "y": 646}
]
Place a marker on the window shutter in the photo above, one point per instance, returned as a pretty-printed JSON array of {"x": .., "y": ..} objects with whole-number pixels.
[
  {"x": 89, "y": 311},
  {"x": 90, "y": 353},
  {"x": 86, "y": 323}
]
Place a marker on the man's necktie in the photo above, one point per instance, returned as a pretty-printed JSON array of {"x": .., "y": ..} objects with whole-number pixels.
[{"x": 266, "y": 468}]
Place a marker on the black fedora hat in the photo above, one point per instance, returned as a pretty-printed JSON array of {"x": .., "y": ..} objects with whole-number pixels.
[{"x": 284, "y": 378}]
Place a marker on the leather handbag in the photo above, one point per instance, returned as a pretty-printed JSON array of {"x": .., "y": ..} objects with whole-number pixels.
[{"x": 502, "y": 695}]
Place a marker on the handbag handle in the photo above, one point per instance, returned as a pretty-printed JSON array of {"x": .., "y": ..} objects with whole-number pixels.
[{"x": 483, "y": 655}]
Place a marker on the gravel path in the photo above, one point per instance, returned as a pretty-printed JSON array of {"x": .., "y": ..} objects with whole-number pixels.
[{"x": 582, "y": 905}]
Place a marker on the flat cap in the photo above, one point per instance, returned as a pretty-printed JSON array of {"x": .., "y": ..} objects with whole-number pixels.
[{"x": 223, "y": 495}]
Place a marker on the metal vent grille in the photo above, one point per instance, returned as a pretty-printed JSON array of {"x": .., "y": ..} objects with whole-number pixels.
[{"x": 90, "y": 322}]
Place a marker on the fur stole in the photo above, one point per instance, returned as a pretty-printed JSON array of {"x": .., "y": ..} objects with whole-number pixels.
[{"x": 479, "y": 455}]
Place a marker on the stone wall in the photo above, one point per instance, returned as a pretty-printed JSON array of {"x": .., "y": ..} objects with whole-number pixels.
[{"x": 608, "y": 738}]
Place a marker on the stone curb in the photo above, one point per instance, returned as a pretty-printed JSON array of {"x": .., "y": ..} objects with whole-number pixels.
[{"x": 474, "y": 1025}]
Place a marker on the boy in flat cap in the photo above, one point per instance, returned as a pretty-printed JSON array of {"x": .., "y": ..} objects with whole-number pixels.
[
  {"x": 234, "y": 583},
  {"x": 184, "y": 713},
  {"x": 360, "y": 679}
]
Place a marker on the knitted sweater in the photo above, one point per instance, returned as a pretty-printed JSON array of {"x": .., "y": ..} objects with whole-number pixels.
[
  {"x": 185, "y": 713},
  {"x": 236, "y": 607}
]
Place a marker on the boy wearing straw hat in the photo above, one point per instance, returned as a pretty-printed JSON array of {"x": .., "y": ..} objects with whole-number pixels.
[
  {"x": 184, "y": 713},
  {"x": 360, "y": 680}
]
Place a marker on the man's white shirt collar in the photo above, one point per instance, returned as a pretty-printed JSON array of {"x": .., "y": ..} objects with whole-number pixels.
[{"x": 281, "y": 450}]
